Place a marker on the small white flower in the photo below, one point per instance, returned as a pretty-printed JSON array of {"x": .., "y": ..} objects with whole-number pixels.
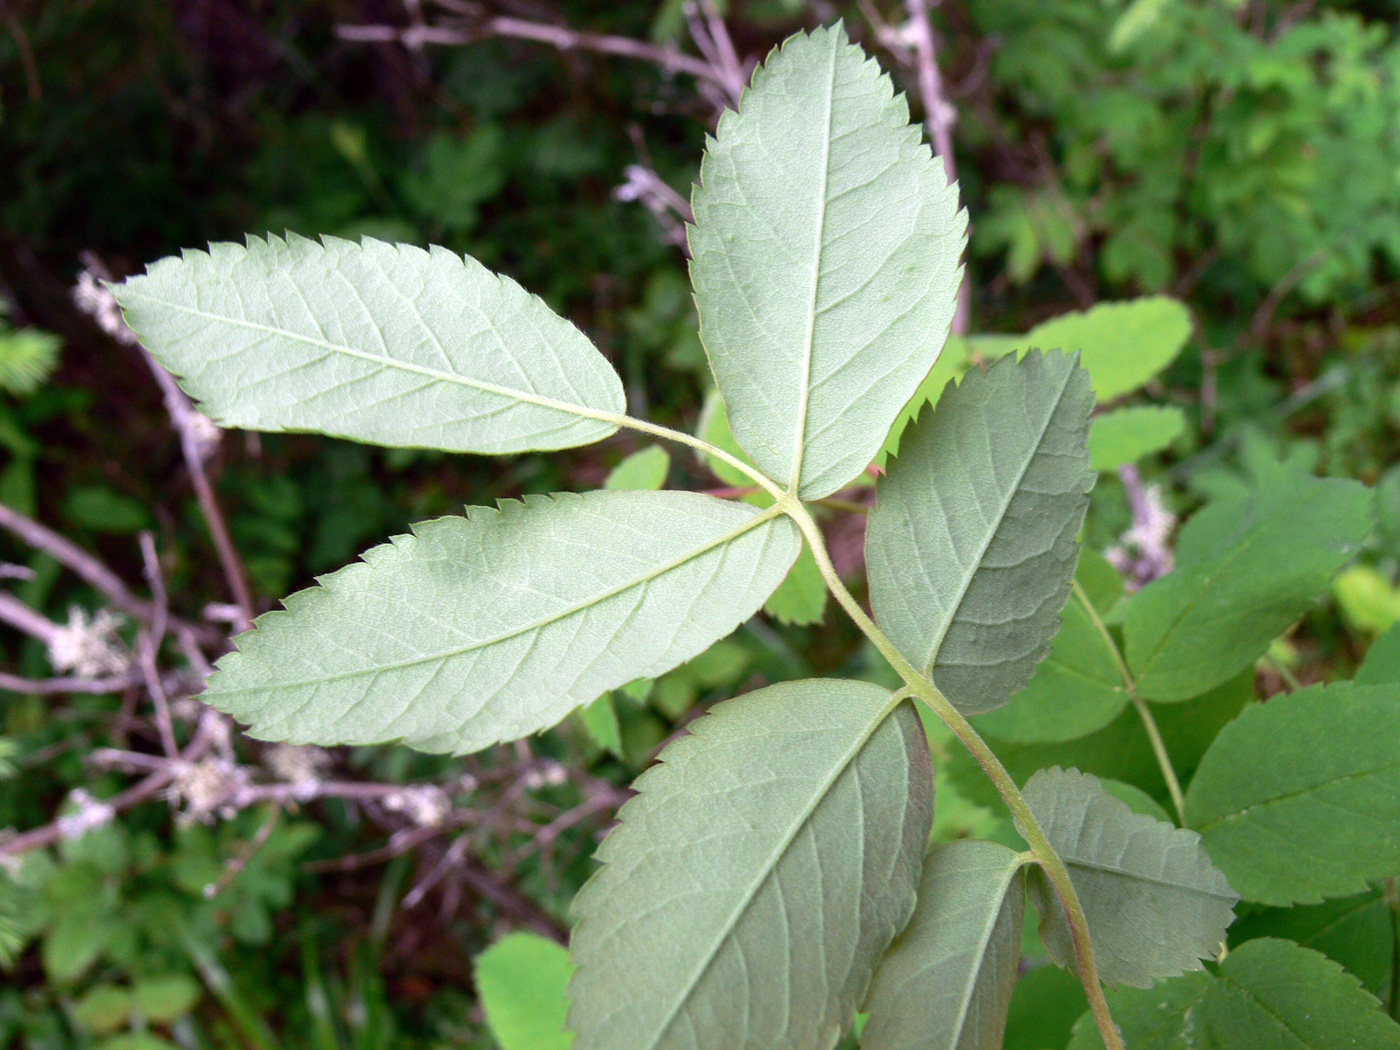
[
  {"x": 88, "y": 814},
  {"x": 88, "y": 646},
  {"x": 424, "y": 805}
]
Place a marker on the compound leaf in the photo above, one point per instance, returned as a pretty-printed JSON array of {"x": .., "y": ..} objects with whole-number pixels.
[
  {"x": 751, "y": 886},
  {"x": 946, "y": 982},
  {"x": 971, "y": 545},
  {"x": 1247, "y": 568},
  {"x": 1155, "y": 905},
  {"x": 496, "y": 625},
  {"x": 521, "y": 981},
  {"x": 372, "y": 341},
  {"x": 1299, "y": 799},
  {"x": 826, "y": 252}
]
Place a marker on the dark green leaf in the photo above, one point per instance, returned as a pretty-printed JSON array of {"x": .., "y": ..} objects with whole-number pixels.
[
  {"x": 1299, "y": 799},
  {"x": 1357, "y": 932},
  {"x": 971, "y": 545},
  {"x": 1247, "y": 568}
]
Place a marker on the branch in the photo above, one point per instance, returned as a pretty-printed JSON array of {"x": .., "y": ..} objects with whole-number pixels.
[{"x": 414, "y": 37}]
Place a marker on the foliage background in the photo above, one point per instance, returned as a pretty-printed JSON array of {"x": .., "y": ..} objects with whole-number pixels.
[{"x": 1241, "y": 155}]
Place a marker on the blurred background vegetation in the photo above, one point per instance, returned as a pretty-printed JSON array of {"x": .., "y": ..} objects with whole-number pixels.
[{"x": 1241, "y": 156}]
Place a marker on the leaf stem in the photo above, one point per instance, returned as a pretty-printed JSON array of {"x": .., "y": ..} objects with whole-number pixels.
[
  {"x": 1149, "y": 723},
  {"x": 921, "y": 686},
  {"x": 1164, "y": 761},
  {"x": 700, "y": 444}
]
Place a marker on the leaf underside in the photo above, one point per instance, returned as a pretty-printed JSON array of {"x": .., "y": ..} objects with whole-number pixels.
[
  {"x": 750, "y": 887},
  {"x": 493, "y": 626},
  {"x": 946, "y": 982},
  {"x": 1299, "y": 799},
  {"x": 825, "y": 258},
  {"x": 971, "y": 546},
  {"x": 1155, "y": 905},
  {"x": 376, "y": 342}
]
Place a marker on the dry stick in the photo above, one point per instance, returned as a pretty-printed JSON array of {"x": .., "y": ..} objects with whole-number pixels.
[
  {"x": 939, "y": 117},
  {"x": 134, "y": 795},
  {"x": 73, "y": 557},
  {"x": 561, "y": 37},
  {"x": 148, "y": 645},
  {"x": 48, "y": 686},
  {"x": 21, "y": 617},
  {"x": 187, "y": 423}
]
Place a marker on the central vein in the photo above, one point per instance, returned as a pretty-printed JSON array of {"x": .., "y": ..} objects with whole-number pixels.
[{"x": 804, "y": 393}]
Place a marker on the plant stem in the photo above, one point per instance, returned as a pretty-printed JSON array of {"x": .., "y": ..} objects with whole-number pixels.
[
  {"x": 922, "y": 687},
  {"x": 1154, "y": 735},
  {"x": 1164, "y": 761}
]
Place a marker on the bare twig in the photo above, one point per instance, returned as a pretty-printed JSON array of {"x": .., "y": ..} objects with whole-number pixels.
[
  {"x": 21, "y": 617},
  {"x": 26, "y": 53},
  {"x": 140, "y": 792},
  {"x": 49, "y": 686},
  {"x": 197, "y": 434},
  {"x": 669, "y": 59}
]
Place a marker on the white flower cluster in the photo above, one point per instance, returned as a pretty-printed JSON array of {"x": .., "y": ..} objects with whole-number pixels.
[
  {"x": 88, "y": 645},
  {"x": 425, "y": 805},
  {"x": 88, "y": 814}
]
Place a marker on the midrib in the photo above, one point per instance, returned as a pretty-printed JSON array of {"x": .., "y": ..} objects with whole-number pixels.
[
  {"x": 534, "y": 625},
  {"x": 804, "y": 392}
]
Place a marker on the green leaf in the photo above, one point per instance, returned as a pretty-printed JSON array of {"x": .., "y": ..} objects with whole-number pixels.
[
  {"x": 971, "y": 545},
  {"x": 1044, "y": 1007},
  {"x": 521, "y": 980},
  {"x": 947, "y": 980},
  {"x": 600, "y": 722},
  {"x": 751, "y": 886},
  {"x": 801, "y": 598},
  {"x": 1164, "y": 1017},
  {"x": 27, "y": 359},
  {"x": 1381, "y": 665},
  {"x": 493, "y": 626},
  {"x": 826, "y": 252},
  {"x": 1125, "y": 435},
  {"x": 1120, "y": 750},
  {"x": 1247, "y": 568},
  {"x": 375, "y": 342},
  {"x": 1273, "y": 995},
  {"x": 164, "y": 998},
  {"x": 1299, "y": 799},
  {"x": 1076, "y": 691},
  {"x": 714, "y": 428},
  {"x": 1122, "y": 345},
  {"x": 1357, "y": 932},
  {"x": 103, "y": 1008},
  {"x": 1155, "y": 905},
  {"x": 645, "y": 470}
]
